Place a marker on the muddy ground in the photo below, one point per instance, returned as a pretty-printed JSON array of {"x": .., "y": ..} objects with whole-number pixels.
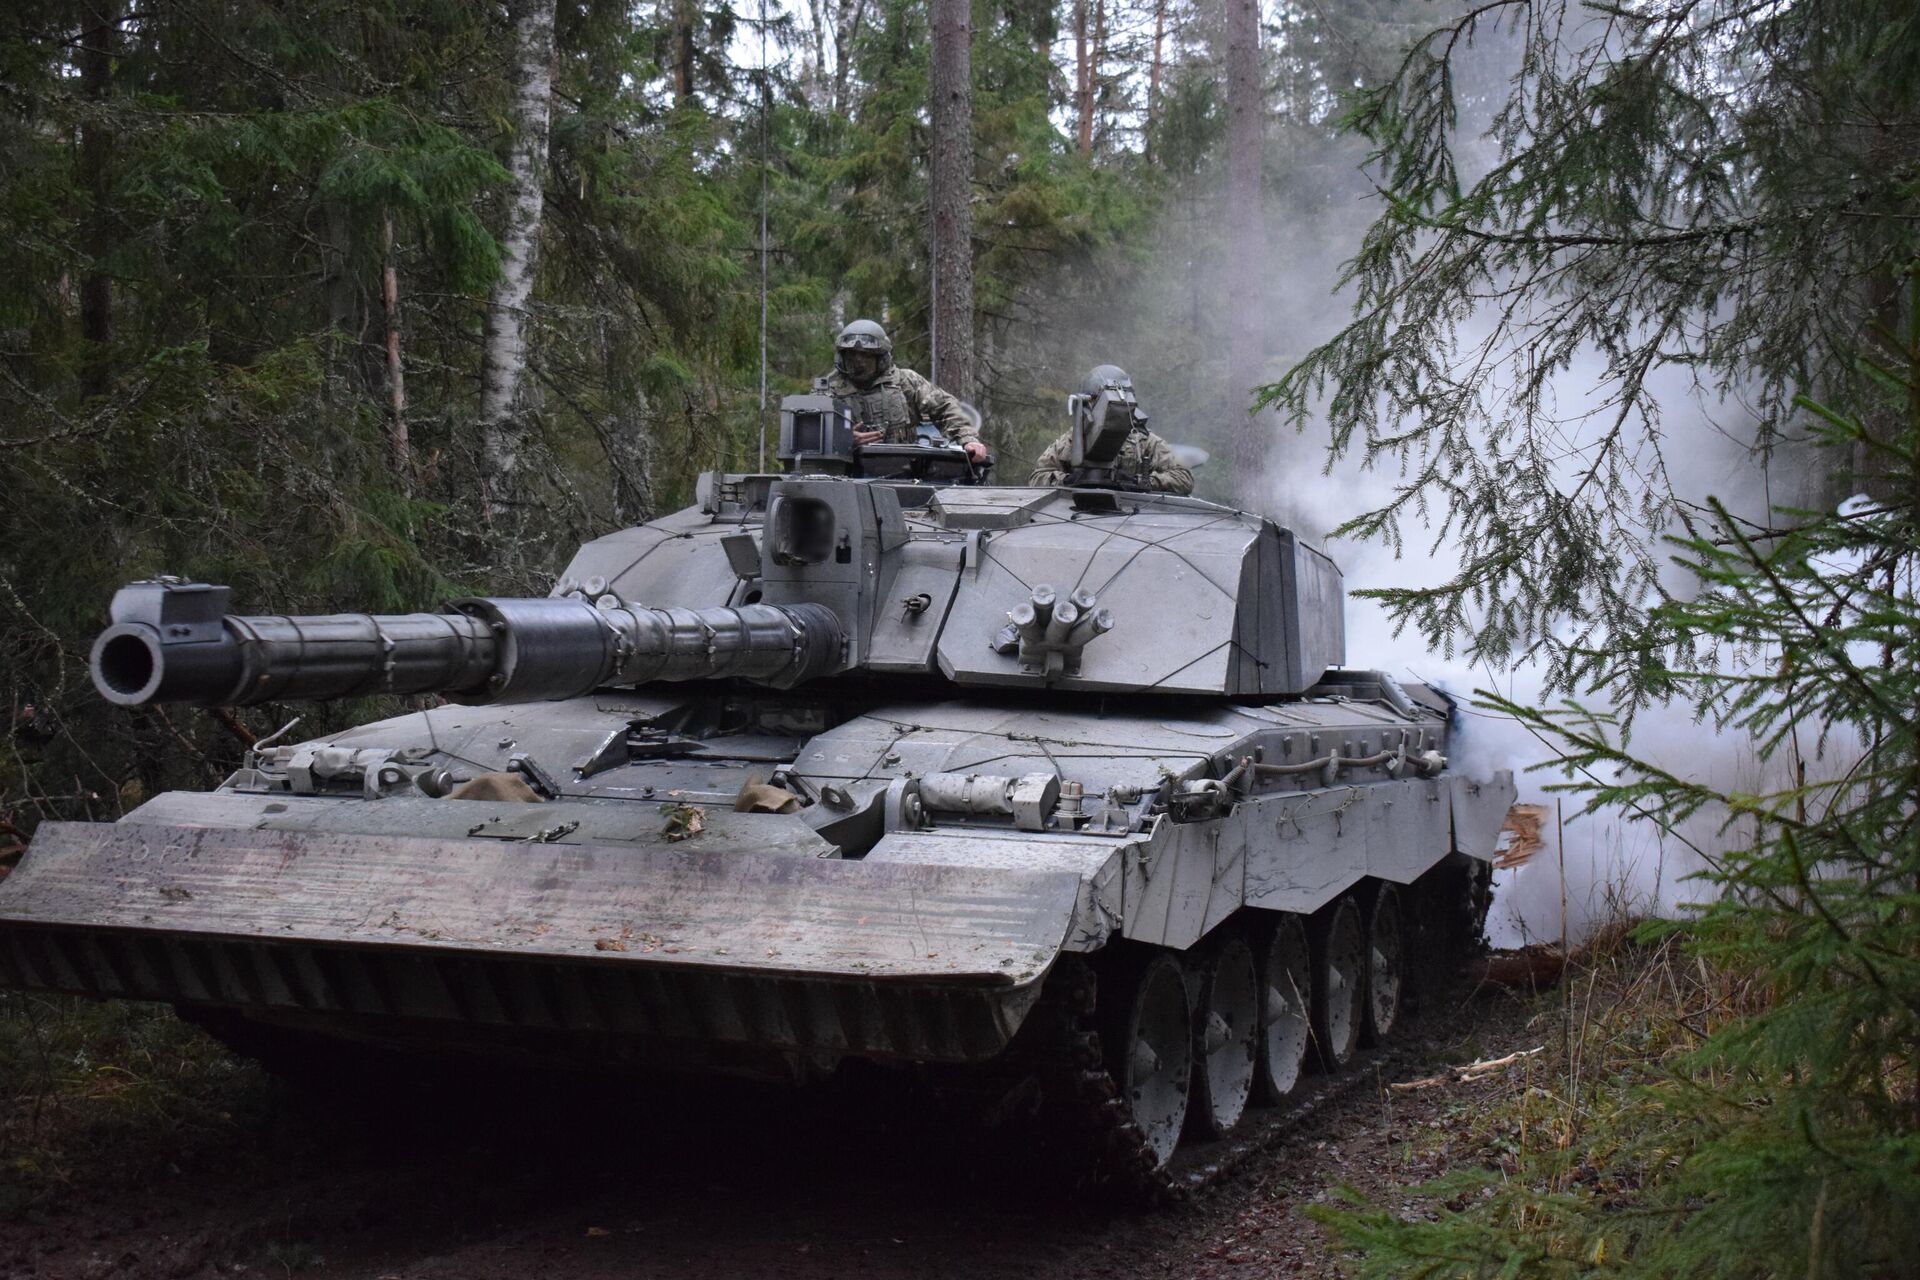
[{"x": 147, "y": 1152}]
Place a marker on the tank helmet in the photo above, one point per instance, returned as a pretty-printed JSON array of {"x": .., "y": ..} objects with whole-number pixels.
[
  {"x": 1110, "y": 377},
  {"x": 863, "y": 336},
  {"x": 1102, "y": 376}
]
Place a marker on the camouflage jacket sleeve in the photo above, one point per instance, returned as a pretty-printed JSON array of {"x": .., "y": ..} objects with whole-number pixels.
[
  {"x": 942, "y": 408},
  {"x": 1051, "y": 468},
  {"x": 1164, "y": 471}
]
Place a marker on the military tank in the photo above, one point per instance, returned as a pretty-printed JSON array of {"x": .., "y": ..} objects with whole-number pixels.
[{"x": 1062, "y": 791}]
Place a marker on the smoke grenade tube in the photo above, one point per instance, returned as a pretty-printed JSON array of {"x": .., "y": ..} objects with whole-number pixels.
[{"x": 173, "y": 642}]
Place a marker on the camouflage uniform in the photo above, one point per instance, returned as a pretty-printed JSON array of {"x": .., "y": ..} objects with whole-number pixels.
[
  {"x": 895, "y": 402},
  {"x": 1145, "y": 457}
]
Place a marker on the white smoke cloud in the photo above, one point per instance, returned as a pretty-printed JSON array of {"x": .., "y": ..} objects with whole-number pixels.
[{"x": 1598, "y": 866}]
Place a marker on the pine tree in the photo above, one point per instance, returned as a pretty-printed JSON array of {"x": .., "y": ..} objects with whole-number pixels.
[{"x": 1685, "y": 187}]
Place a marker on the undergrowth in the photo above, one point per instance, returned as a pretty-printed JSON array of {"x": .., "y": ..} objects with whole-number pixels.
[
  {"x": 1579, "y": 1152},
  {"x": 114, "y": 1093}
]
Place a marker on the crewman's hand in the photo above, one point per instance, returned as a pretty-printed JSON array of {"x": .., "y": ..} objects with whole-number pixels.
[
  {"x": 976, "y": 451},
  {"x": 867, "y": 437}
]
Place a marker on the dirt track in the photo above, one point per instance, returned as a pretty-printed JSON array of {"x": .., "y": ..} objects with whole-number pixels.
[{"x": 240, "y": 1176}]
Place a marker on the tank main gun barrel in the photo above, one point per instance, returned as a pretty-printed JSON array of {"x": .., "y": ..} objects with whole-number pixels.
[{"x": 175, "y": 642}]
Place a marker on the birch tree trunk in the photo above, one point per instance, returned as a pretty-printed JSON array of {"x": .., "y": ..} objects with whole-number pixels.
[
  {"x": 952, "y": 193},
  {"x": 399, "y": 448},
  {"x": 848, "y": 15},
  {"x": 504, "y": 353},
  {"x": 816, "y": 69},
  {"x": 1246, "y": 253}
]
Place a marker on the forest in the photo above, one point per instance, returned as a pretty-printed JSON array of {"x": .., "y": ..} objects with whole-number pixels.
[
  {"x": 296, "y": 307},
  {"x": 1607, "y": 315}
]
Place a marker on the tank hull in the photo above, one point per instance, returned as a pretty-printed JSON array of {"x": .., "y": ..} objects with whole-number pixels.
[{"x": 755, "y": 938}]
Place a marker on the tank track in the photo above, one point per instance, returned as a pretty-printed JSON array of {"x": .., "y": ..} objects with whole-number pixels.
[
  {"x": 1080, "y": 1110},
  {"x": 1055, "y": 1087},
  {"x": 1064, "y": 1105}
]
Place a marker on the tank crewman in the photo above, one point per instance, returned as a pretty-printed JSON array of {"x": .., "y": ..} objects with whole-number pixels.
[
  {"x": 1145, "y": 457},
  {"x": 886, "y": 400}
]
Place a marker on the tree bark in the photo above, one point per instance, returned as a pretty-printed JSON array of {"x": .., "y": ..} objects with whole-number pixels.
[
  {"x": 952, "y": 195},
  {"x": 1246, "y": 249},
  {"x": 683, "y": 17},
  {"x": 343, "y": 296},
  {"x": 1082, "y": 80},
  {"x": 399, "y": 449},
  {"x": 97, "y": 42},
  {"x": 504, "y": 356},
  {"x": 816, "y": 71},
  {"x": 1153, "y": 70},
  {"x": 1096, "y": 60},
  {"x": 848, "y": 15}
]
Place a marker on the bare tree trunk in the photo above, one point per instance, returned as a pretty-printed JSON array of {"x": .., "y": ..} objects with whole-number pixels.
[
  {"x": 343, "y": 298},
  {"x": 1867, "y": 470},
  {"x": 683, "y": 17},
  {"x": 1082, "y": 80},
  {"x": 1097, "y": 60},
  {"x": 504, "y": 356},
  {"x": 952, "y": 192},
  {"x": 355, "y": 360},
  {"x": 848, "y": 16},
  {"x": 399, "y": 449},
  {"x": 816, "y": 76},
  {"x": 1246, "y": 248},
  {"x": 1153, "y": 70},
  {"x": 97, "y": 43}
]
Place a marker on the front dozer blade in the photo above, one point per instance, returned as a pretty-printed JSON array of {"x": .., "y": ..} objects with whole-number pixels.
[{"x": 661, "y": 945}]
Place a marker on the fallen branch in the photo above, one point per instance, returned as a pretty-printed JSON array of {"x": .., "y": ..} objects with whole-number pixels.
[
  {"x": 1484, "y": 1065},
  {"x": 1424, "y": 1082},
  {"x": 1479, "y": 1069}
]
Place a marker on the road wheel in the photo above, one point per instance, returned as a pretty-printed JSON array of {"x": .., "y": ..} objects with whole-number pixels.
[
  {"x": 1386, "y": 965},
  {"x": 1149, "y": 1043},
  {"x": 1340, "y": 983},
  {"x": 1227, "y": 1036},
  {"x": 1285, "y": 1031}
]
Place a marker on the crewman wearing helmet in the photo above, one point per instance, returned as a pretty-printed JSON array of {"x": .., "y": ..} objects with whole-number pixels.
[
  {"x": 886, "y": 401},
  {"x": 1145, "y": 460}
]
